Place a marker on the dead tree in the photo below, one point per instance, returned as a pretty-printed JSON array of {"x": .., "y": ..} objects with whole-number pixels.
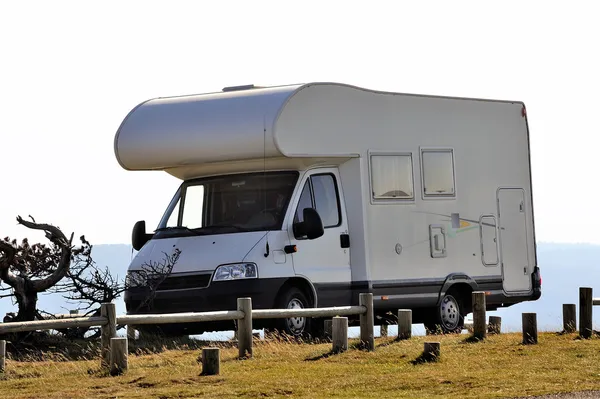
[
  {"x": 63, "y": 269},
  {"x": 31, "y": 269}
]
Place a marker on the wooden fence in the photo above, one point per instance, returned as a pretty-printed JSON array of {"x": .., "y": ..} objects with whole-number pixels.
[{"x": 114, "y": 349}]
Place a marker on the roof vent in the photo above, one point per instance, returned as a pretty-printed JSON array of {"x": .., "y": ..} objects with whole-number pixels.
[{"x": 237, "y": 88}]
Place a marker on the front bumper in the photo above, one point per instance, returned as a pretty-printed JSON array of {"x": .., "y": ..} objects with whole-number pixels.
[{"x": 220, "y": 295}]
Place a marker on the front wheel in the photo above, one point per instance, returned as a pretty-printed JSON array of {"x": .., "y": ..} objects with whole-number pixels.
[
  {"x": 294, "y": 298},
  {"x": 448, "y": 316}
]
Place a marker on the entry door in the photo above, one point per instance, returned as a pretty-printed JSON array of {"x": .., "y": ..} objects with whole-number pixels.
[
  {"x": 326, "y": 259},
  {"x": 513, "y": 240}
]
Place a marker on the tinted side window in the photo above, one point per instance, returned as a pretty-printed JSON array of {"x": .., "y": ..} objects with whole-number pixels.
[
  {"x": 326, "y": 199},
  {"x": 304, "y": 202}
]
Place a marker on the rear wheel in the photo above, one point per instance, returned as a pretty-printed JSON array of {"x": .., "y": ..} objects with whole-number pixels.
[{"x": 448, "y": 316}]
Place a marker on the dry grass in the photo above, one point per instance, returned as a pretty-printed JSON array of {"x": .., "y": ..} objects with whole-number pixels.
[{"x": 499, "y": 367}]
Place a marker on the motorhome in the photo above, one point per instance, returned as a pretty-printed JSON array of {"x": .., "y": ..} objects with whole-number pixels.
[{"x": 307, "y": 195}]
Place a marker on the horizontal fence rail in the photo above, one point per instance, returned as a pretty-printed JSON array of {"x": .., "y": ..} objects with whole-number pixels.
[
  {"x": 308, "y": 312},
  {"x": 189, "y": 317},
  {"x": 53, "y": 324}
]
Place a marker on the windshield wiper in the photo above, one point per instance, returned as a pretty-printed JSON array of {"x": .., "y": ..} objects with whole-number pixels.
[
  {"x": 225, "y": 226},
  {"x": 187, "y": 229}
]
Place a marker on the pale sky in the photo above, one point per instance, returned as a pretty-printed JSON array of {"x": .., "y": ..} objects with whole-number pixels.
[{"x": 70, "y": 71}]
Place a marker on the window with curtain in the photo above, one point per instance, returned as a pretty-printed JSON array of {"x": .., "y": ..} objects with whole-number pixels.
[
  {"x": 438, "y": 172},
  {"x": 392, "y": 177}
]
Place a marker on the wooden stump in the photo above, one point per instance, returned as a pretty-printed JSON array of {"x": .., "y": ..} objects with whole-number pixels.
[
  {"x": 530, "y": 334},
  {"x": 569, "y": 317},
  {"x": 211, "y": 361},
  {"x": 118, "y": 356},
  {"x": 2, "y": 356},
  {"x": 404, "y": 323},
  {"x": 340, "y": 334},
  {"x": 495, "y": 325},
  {"x": 431, "y": 351},
  {"x": 585, "y": 312},
  {"x": 479, "y": 327}
]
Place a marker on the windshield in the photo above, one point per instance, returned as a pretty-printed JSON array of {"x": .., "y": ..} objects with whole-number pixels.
[{"x": 246, "y": 202}]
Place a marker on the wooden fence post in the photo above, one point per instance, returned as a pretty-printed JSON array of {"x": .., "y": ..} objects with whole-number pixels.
[
  {"x": 245, "y": 327},
  {"x": 367, "y": 321},
  {"x": 569, "y": 317},
  {"x": 340, "y": 334},
  {"x": 530, "y": 334},
  {"x": 108, "y": 331},
  {"x": 585, "y": 312},
  {"x": 479, "y": 305},
  {"x": 495, "y": 325},
  {"x": 2, "y": 356},
  {"x": 431, "y": 351},
  {"x": 118, "y": 356},
  {"x": 404, "y": 323},
  {"x": 211, "y": 361}
]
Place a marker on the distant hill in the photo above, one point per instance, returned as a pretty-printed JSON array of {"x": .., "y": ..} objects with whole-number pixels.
[{"x": 565, "y": 267}]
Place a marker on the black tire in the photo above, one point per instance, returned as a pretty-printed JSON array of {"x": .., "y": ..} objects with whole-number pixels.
[
  {"x": 449, "y": 316},
  {"x": 294, "y": 326}
]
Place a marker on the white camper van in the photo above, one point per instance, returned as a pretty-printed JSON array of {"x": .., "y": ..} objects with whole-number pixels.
[{"x": 307, "y": 195}]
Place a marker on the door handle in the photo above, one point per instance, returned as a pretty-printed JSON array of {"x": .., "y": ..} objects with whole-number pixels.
[{"x": 345, "y": 240}]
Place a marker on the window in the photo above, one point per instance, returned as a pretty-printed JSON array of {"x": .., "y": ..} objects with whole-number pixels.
[
  {"x": 392, "y": 177},
  {"x": 194, "y": 204},
  {"x": 438, "y": 172},
  {"x": 320, "y": 193},
  {"x": 326, "y": 199},
  {"x": 229, "y": 204},
  {"x": 304, "y": 202},
  {"x": 172, "y": 221}
]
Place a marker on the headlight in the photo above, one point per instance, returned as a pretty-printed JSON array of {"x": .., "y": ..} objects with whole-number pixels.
[{"x": 235, "y": 272}]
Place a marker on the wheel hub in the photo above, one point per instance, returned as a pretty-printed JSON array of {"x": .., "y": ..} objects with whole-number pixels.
[
  {"x": 296, "y": 324},
  {"x": 449, "y": 312}
]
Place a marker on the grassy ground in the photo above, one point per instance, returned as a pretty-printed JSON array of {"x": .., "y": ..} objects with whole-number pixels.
[{"x": 499, "y": 367}]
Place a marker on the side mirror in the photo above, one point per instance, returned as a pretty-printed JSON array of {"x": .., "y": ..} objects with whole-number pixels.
[
  {"x": 311, "y": 227},
  {"x": 139, "y": 237}
]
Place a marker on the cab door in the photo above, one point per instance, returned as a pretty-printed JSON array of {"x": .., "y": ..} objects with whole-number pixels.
[
  {"x": 513, "y": 240},
  {"x": 325, "y": 261}
]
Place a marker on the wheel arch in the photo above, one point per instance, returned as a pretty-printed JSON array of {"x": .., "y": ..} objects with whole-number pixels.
[
  {"x": 460, "y": 282},
  {"x": 301, "y": 283}
]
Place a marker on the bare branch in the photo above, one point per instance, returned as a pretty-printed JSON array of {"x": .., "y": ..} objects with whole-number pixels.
[
  {"x": 53, "y": 233},
  {"x": 57, "y": 237}
]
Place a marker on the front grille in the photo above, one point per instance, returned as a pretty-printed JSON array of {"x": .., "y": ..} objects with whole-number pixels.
[{"x": 184, "y": 282}]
